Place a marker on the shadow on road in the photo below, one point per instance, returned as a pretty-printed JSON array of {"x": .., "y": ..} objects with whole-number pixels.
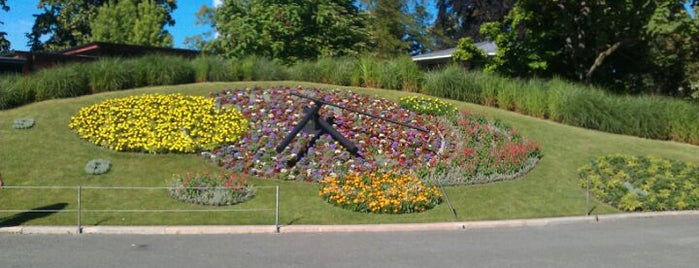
[{"x": 36, "y": 213}]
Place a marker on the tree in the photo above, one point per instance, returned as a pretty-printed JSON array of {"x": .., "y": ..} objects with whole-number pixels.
[
  {"x": 67, "y": 22},
  {"x": 131, "y": 22},
  {"x": 611, "y": 43},
  {"x": 397, "y": 28},
  {"x": 288, "y": 30},
  {"x": 463, "y": 18},
  {"x": 4, "y": 43},
  {"x": 469, "y": 54}
]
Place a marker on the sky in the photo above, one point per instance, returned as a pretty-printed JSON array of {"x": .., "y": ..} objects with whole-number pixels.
[{"x": 19, "y": 20}]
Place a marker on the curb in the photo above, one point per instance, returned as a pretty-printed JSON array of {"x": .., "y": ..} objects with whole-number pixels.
[{"x": 271, "y": 229}]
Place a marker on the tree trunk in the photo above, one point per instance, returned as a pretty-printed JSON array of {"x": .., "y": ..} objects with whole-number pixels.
[{"x": 600, "y": 59}]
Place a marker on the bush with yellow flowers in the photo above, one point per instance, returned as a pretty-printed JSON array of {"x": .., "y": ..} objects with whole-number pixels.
[
  {"x": 431, "y": 106},
  {"x": 387, "y": 193},
  {"x": 157, "y": 123}
]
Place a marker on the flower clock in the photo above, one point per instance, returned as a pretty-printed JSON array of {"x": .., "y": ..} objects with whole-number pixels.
[
  {"x": 460, "y": 148},
  {"x": 156, "y": 123}
]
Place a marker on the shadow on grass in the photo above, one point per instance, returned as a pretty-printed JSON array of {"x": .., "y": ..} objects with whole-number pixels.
[{"x": 36, "y": 213}]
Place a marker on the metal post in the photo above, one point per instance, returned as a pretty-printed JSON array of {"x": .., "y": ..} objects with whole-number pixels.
[
  {"x": 587, "y": 197},
  {"x": 276, "y": 211},
  {"x": 80, "y": 192}
]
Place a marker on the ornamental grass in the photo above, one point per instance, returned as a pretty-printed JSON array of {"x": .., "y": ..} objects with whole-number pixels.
[
  {"x": 386, "y": 193},
  {"x": 157, "y": 123}
]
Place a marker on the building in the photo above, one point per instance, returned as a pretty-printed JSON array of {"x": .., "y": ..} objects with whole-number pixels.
[
  {"x": 443, "y": 57},
  {"x": 33, "y": 61}
]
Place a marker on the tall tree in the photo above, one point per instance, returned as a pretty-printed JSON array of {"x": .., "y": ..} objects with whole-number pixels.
[
  {"x": 398, "y": 27},
  {"x": 463, "y": 18},
  {"x": 614, "y": 43},
  {"x": 131, "y": 22},
  {"x": 4, "y": 43},
  {"x": 288, "y": 30},
  {"x": 67, "y": 22}
]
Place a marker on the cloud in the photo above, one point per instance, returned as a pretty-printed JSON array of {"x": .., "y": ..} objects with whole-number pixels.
[{"x": 218, "y": 3}]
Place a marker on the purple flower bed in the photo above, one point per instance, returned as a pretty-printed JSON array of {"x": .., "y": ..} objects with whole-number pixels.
[{"x": 383, "y": 146}]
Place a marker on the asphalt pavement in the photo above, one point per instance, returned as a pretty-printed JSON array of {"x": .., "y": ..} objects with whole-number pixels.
[{"x": 670, "y": 241}]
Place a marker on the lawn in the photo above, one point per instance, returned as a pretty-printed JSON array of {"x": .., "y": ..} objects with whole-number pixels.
[{"x": 50, "y": 154}]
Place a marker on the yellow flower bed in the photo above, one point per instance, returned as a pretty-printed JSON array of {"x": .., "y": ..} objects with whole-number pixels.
[
  {"x": 380, "y": 193},
  {"x": 158, "y": 123},
  {"x": 423, "y": 105}
]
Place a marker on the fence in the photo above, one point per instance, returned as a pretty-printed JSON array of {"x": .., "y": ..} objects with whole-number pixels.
[{"x": 104, "y": 203}]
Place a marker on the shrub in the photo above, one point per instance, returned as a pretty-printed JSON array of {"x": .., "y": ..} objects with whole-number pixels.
[
  {"x": 59, "y": 82},
  {"x": 159, "y": 123},
  {"x": 97, "y": 166},
  {"x": 109, "y": 74},
  {"x": 431, "y": 106},
  {"x": 380, "y": 193},
  {"x": 23, "y": 123},
  {"x": 208, "y": 190},
  {"x": 644, "y": 183}
]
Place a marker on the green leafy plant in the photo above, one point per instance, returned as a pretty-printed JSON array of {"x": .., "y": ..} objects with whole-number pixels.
[
  {"x": 23, "y": 123},
  {"x": 97, "y": 166},
  {"x": 642, "y": 183},
  {"x": 204, "y": 189}
]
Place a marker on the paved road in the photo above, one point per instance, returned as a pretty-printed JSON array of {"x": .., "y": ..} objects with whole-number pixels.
[{"x": 649, "y": 242}]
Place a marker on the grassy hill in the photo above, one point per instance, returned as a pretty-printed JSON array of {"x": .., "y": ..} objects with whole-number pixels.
[{"x": 50, "y": 154}]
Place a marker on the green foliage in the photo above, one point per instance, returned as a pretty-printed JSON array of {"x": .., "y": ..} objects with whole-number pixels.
[
  {"x": 630, "y": 46},
  {"x": 10, "y": 95},
  {"x": 67, "y": 22},
  {"x": 456, "y": 19},
  {"x": 4, "y": 43},
  {"x": 212, "y": 68},
  {"x": 209, "y": 190},
  {"x": 131, "y": 22},
  {"x": 59, "y": 82},
  {"x": 110, "y": 74},
  {"x": 254, "y": 68},
  {"x": 157, "y": 70},
  {"x": 288, "y": 31},
  {"x": 453, "y": 83},
  {"x": 97, "y": 166},
  {"x": 23, "y": 123},
  {"x": 644, "y": 183},
  {"x": 467, "y": 53},
  {"x": 432, "y": 106}
]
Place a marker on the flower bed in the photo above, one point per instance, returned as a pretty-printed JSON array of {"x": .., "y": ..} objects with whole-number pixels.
[
  {"x": 379, "y": 193},
  {"x": 431, "y": 106},
  {"x": 159, "y": 123},
  {"x": 204, "y": 189},
  {"x": 642, "y": 183},
  {"x": 493, "y": 150}
]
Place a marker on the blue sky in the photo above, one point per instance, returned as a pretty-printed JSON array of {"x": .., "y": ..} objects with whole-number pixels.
[{"x": 19, "y": 20}]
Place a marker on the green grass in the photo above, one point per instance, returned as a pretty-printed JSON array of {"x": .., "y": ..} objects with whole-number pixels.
[{"x": 50, "y": 154}]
